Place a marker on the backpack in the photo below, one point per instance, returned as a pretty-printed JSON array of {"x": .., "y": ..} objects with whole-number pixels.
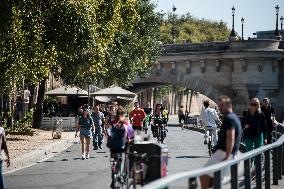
[{"x": 117, "y": 139}]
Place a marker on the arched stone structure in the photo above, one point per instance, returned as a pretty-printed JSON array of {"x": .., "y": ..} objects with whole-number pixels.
[{"x": 239, "y": 69}]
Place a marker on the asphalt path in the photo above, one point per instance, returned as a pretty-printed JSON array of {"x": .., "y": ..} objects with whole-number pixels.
[{"x": 66, "y": 170}]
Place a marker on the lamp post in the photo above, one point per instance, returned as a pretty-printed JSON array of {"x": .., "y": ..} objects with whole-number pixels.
[
  {"x": 233, "y": 33},
  {"x": 276, "y": 32},
  {"x": 242, "y": 20},
  {"x": 281, "y": 20},
  {"x": 173, "y": 28}
]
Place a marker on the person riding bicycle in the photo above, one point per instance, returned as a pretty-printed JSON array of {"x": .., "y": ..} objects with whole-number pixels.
[
  {"x": 209, "y": 117},
  {"x": 158, "y": 119},
  {"x": 120, "y": 135},
  {"x": 148, "y": 111}
]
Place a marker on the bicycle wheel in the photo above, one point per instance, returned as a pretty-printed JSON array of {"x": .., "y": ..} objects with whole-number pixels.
[{"x": 209, "y": 148}]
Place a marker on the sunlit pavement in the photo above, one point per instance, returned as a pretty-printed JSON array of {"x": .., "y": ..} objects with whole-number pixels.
[{"x": 67, "y": 171}]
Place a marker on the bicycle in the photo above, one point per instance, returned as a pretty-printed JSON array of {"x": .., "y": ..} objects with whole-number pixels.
[
  {"x": 138, "y": 169},
  {"x": 210, "y": 143},
  {"x": 161, "y": 132},
  {"x": 119, "y": 172}
]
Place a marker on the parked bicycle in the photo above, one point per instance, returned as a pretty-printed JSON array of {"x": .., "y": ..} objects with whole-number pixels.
[{"x": 138, "y": 169}]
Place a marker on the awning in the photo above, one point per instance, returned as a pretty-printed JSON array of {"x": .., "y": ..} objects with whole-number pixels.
[
  {"x": 105, "y": 98},
  {"x": 116, "y": 92},
  {"x": 67, "y": 91}
]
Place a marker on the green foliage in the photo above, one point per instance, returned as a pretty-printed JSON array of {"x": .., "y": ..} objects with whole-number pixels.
[
  {"x": 162, "y": 91},
  {"x": 133, "y": 51},
  {"x": 22, "y": 127},
  {"x": 193, "y": 30}
]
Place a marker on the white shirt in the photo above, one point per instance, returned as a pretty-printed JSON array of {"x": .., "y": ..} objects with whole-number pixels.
[
  {"x": 209, "y": 117},
  {"x": 27, "y": 95}
]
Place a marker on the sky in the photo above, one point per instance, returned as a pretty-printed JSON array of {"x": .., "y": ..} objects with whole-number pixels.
[{"x": 259, "y": 15}]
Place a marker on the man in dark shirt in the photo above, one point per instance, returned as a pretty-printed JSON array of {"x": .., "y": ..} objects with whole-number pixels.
[
  {"x": 229, "y": 139},
  {"x": 269, "y": 114}
]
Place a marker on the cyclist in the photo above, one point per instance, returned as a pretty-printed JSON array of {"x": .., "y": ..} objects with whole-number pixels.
[
  {"x": 120, "y": 134},
  {"x": 209, "y": 117},
  {"x": 158, "y": 120},
  {"x": 166, "y": 114},
  {"x": 148, "y": 111},
  {"x": 137, "y": 117}
]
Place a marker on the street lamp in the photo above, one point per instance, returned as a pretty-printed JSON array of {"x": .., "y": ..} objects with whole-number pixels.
[
  {"x": 242, "y": 20},
  {"x": 233, "y": 33},
  {"x": 276, "y": 32},
  {"x": 173, "y": 28}
]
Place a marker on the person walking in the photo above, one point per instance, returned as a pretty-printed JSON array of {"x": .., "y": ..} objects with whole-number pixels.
[
  {"x": 269, "y": 114},
  {"x": 229, "y": 139},
  {"x": 209, "y": 117},
  {"x": 85, "y": 126},
  {"x": 181, "y": 116},
  {"x": 254, "y": 125},
  {"x": 3, "y": 144},
  {"x": 99, "y": 122},
  {"x": 137, "y": 117}
]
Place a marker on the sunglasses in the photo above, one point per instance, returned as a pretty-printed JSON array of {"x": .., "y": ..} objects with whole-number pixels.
[{"x": 253, "y": 104}]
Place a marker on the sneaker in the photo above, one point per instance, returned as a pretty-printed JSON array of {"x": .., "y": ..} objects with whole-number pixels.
[
  {"x": 95, "y": 148},
  {"x": 83, "y": 157},
  {"x": 100, "y": 147},
  {"x": 205, "y": 142},
  {"x": 87, "y": 156}
]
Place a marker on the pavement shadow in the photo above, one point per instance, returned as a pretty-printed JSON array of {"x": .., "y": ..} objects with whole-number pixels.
[{"x": 191, "y": 157}]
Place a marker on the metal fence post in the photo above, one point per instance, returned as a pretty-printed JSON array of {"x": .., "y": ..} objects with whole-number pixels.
[
  {"x": 282, "y": 159},
  {"x": 279, "y": 158},
  {"x": 274, "y": 166},
  {"x": 247, "y": 174},
  {"x": 217, "y": 180},
  {"x": 258, "y": 171},
  {"x": 192, "y": 183},
  {"x": 234, "y": 177},
  {"x": 267, "y": 169}
]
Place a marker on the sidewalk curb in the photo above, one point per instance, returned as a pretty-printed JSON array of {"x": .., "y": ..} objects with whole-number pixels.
[{"x": 39, "y": 155}]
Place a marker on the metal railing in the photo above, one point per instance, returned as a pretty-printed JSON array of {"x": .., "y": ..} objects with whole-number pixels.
[{"x": 274, "y": 151}]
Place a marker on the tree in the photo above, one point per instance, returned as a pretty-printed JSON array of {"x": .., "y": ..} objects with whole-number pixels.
[
  {"x": 133, "y": 52},
  {"x": 193, "y": 30},
  {"x": 67, "y": 38}
]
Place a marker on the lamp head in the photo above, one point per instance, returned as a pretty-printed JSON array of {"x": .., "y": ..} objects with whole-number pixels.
[
  {"x": 233, "y": 10},
  {"x": 242, "y": 20},
  {"x": 277, "y": 9},
  {"x": 174, "y": 8}
]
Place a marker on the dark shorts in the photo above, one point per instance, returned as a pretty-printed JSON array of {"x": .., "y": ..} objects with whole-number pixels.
[{"x": 137, "y": 128}]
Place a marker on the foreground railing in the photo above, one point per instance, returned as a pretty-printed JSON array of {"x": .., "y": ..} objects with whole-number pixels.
[{"x": 274, "y": 150}]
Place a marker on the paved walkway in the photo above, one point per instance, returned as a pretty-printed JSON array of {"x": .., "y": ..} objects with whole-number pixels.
[{"x": 67, "y": 171}]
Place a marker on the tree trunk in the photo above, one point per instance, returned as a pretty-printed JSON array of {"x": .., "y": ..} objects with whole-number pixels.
[
  {"x": 37, "y": 115},
  {"x": 190, "y": 101},
  {"x": 186, "y": 102}
]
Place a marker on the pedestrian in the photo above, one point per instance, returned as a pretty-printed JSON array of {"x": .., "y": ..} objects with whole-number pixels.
[
  {"x": 269, "y": 114},
  {"x": 85, "y": 126},
  {"x": 18, "y": 108},
  {"x": 136, "y": 117},
  {"x": 209, "y": 118},
  {"x": 99, "y": 121},
  {"x": 229, "y": 139},
  {"x": 254, "y": 125},
  {"x": 181, "y": 116},
  {"x": 3, "y": 144}
]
